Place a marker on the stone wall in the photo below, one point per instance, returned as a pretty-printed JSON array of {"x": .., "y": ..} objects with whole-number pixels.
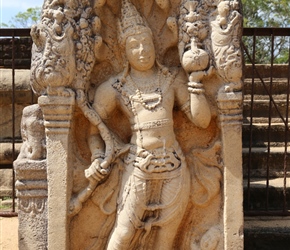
[
  {"x": 22, "y": 52},
  {"x": 23, "y": 97}
]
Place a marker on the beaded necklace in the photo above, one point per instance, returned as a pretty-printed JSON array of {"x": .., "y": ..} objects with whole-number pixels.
[
  {"x": 127, "y": 87},
  {"x": 145, "y": 103}
]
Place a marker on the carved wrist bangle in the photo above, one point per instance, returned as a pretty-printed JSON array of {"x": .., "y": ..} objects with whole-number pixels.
[
  {"x": 197, "y": 85},
  {"x": 195, "y": 88},
  {"x": 97, "y": 156}
]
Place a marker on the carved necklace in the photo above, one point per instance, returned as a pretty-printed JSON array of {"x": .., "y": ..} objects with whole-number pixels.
[
  {"x": 149, "y": 103},
  {"x": 126, "y": 87}
]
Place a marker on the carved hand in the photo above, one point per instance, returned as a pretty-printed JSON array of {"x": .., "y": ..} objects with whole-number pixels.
[
  {"x": 197, "y": 76},
  {"x": 95, "y": 172}
]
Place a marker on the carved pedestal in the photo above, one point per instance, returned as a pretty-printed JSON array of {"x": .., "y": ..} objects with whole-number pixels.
[
  {"x": 31, "y": 188},
  {"x": 230, "y": 109},
  {"x": 57, "y": 113}
]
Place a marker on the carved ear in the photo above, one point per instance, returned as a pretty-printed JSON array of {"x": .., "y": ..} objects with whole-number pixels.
[{"x": 38, "y": 36}]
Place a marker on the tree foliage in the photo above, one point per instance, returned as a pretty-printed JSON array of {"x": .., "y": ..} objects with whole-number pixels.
[
  {"x": 267, "y": 13},
  {"x": 24, "y": 19}
]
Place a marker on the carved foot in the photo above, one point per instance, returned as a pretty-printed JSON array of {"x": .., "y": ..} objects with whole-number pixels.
[
  {"x": 75, "y": 207},
  {"x": 210, "y": 239},
  {"x": 233, "y": 87}
]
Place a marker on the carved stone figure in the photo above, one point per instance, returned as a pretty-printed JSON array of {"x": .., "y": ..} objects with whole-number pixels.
[
  {"x": 33, "y": 136},
  {"x": 155, "y": 185},
  {"x": 226, "y": 31},
  {"x": 31, "y": 184},
  {"x": 142, "y": 110}
]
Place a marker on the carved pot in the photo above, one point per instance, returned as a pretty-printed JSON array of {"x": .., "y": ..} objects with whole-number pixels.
[{"x": 195, "y": 60}]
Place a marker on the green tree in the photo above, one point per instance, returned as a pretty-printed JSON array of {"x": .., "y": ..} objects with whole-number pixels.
[
  {"x": 267, "y": 13},
  {"x": 24, "y": 19}
]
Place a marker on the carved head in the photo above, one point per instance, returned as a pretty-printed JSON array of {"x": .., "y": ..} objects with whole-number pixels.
[
  {"x": 136, "y": 37},
  {"x": 140, "y": 51},
  {"x": 131, "y": 22},
  {"x": 53, "y": 59},
  {"x": 224, "y": 8}
]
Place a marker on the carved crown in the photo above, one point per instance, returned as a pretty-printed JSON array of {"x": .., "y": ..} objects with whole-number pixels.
[{"x": 131, "y": 22}]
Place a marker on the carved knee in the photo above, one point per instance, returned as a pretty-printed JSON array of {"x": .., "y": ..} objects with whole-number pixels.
[{"x": 121, "y": 236}]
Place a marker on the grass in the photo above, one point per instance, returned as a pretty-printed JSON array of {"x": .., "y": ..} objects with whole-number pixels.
[{"x": 5, "y": 206}]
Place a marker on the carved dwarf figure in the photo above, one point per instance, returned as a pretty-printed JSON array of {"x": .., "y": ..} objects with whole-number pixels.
[
  {"x": 226, "y": 43},
  {"x": 32, "y": 131},
  {"x": 155, "y": 185}
]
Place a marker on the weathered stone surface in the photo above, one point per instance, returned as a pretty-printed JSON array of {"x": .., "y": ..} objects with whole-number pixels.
[
  {"x": 149, "y": 156},
  {"x": 23, "y": 96},
  {"x": 6, "y": 128},
  {"x": 22, "y": 80},
  {"x": 265, "y": 232},
  {"x": 31, "y": 188}
]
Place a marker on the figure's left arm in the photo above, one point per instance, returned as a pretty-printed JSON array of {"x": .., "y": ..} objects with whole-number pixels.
[{"x": 192, "y": 100}]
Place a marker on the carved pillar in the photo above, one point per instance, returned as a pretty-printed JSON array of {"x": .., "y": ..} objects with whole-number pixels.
[
  {"x": 230, "y": 114},
  {"x": 31, "y": 188},
  {"x": 57, "y": 111}
]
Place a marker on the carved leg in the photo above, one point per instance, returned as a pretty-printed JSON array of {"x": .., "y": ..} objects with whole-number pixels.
[
  {"x": 166, "y": 235},
  {"x": 122, "y": 233},
  {"x": 167, "y": 231}
]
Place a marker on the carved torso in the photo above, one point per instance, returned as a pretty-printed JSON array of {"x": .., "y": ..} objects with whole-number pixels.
[{"x": 152, "y": 128}]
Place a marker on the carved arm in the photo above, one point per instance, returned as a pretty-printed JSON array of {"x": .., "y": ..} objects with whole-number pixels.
[{"x": 199, "y": 107}]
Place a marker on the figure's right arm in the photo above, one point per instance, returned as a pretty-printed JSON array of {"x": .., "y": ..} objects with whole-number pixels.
[{"x": 104, "y": 104}]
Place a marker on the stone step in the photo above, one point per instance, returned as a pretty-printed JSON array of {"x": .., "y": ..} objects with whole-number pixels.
[
  {"x": 261, "y": 106},
  {"x": 23, "y": 93},
  {"x": 278, "y": 70},
  {"x": 265, "y": 120},
  {"x": 6, "y": 121},
  {"x": 279, "y": 86},
  {"x": 260, "y": 133},
  {"x": 278, "y": 97},
  {"x": 259, "y": 159},
  {"x": 257, "y": 199},
  {"x": 266, "y": 233}
]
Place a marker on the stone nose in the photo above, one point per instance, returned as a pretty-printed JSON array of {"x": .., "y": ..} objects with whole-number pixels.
[{"x": 141, "y": 48}]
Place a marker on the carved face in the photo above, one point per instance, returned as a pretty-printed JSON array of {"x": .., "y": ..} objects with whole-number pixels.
[
  {"x": 140, "y": 51},
  {"x": 223, "y": 9}
]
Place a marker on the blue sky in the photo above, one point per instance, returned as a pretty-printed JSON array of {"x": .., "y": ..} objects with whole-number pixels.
[{"x": 9, "y": 8}]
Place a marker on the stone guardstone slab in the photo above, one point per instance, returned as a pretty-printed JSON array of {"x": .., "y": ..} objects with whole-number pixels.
[{"x": 142, "y": 109}]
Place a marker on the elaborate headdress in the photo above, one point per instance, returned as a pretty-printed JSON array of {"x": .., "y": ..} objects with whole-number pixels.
[{"x": 131, "y": 22}]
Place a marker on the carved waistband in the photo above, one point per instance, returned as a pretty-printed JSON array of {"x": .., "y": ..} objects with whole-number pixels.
[
  {"x": 152, "y": 124},
  {"x": 157, "y": 160}
]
